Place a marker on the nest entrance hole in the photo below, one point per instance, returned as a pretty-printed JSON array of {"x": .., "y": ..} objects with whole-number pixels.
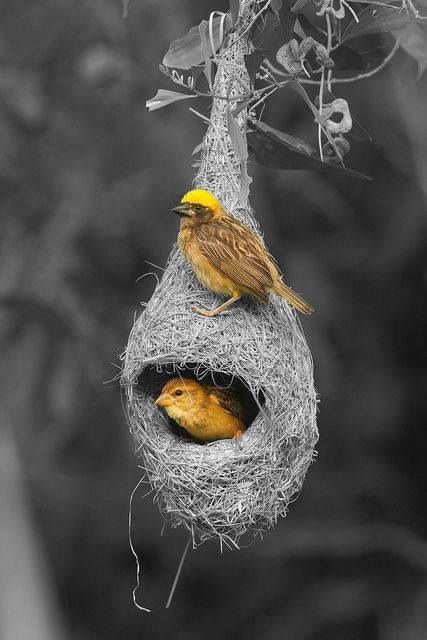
[{"x": 153, "y": 378}]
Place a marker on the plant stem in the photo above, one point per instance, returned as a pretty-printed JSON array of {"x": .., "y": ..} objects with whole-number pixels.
[{"x": 361, "y": 76}]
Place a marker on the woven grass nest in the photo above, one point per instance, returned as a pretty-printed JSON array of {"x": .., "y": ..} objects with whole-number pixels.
[{"x": 227, "y": 488}]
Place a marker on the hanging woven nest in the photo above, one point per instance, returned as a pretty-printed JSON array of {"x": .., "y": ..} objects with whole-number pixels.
[{"x": 227, "y": 488}]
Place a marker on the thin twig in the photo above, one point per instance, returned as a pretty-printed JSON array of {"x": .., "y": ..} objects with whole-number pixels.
[
  {"x": 379, "y": 4},
  {"x": 178, "y": 573},
  {"x": 206, "y": 119},
  {"x": 254, "y": 19},
  {"x": 353, "y": 13},
  {"x": 202, "y": 94},
  {"x": 200, "y": 115},
  {"x": 319, "y": 130},
  {"x": 264, "y": 97},
  {"x": 328, "y": 48},
  {"x": 369, "y": 74},
  {"x": 221, "y": 31}
]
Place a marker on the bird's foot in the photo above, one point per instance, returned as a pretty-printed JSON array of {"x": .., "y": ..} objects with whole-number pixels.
[
  {"x": 238, "y": 435},
  {"x": 204, "y": 312},
  {"x": 215, "y": 312}
]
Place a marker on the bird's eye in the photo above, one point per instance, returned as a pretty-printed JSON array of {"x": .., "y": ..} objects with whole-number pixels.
[
  {"x": 178, "y": 392},
  {"x": 198, "y": 207}
]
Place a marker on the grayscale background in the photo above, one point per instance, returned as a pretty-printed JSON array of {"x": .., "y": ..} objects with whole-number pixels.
[{"x": 87, "y": 180}]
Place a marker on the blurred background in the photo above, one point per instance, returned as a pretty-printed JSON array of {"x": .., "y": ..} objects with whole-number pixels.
[{"x": 87, "y": 179}]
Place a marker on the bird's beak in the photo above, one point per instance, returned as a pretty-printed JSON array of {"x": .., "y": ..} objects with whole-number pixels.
[
  {"x": 182, "y": 209},
  {"x": 164, "y": 400}
]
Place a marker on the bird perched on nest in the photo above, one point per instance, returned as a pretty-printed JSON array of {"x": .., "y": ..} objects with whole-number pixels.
[
  {"x": 204, "y": 411},
  {"x": 227, "y": 256}
]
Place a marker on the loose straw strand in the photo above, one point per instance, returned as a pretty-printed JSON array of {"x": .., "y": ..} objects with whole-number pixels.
[
  {"x": 178, "y": 572},
  {"x": 132, "y": 548}
]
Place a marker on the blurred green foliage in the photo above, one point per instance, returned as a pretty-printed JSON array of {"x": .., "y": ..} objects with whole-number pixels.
[{"x": 87, "y": 178}]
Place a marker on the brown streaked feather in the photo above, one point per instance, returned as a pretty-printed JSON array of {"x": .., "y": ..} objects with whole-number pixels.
[
  {"x": 228, "y": 401},
  {"x": 282, "y": 290},
  {"x": 238, "y": 253}
]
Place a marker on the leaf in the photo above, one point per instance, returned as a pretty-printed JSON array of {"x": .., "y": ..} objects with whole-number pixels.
[
  {"x": 234, "y": 11},
  {"x": 347, "y": 59},
  {"x": 376, "y": 20},
  {"x": 196, "y": 72},
  {"x": 238, "y": 141},
  {"x": 164, "y": 97},
  {"x": 207, "y": 51},
  {"x": 263, "y": 31},
  {"x": 413, "y": 40},
  {"x": 372, "y": 50},
  {"x": 241, "y": 105},
  {"x": 187, "y": 51},
  {"x": 279, "y": 150},
  {"x": 200, "y": 81},
  {"x": 299, "y": 30},
  {"x": 237, "y": 138},
  {"x": 309, "y": 28},
  {"x": 197, "y": 149},
  {"x": 294, "y": 144},
  {"x": 287, "y": 21}
]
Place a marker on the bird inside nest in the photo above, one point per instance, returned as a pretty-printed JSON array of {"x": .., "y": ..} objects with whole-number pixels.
[
  {"x": 206, "y": 412},
  {"x": 227, "y": 256}
]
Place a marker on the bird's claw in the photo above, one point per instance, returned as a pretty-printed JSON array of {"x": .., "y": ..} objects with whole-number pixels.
[{"x": 203, "y": 312}]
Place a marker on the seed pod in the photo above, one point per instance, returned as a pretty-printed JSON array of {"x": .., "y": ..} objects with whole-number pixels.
[
  {"x": 287, "y": 56},
  {"x": 341, "y": 107}
]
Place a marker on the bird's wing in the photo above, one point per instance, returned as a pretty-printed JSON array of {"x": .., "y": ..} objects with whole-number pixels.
[
  {"x": 227, "y": 401},
  {"x": 238, "y": 253}
]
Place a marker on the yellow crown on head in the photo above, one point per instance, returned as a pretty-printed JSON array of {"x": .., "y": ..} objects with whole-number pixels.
[{"x": 203, "y": 197}]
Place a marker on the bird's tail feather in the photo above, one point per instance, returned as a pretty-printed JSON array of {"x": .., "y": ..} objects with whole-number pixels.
[{"x": 282, "y": 290}]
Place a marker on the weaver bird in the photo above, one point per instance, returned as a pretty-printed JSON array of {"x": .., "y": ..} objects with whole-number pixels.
[
  {"x": 204, "y": 411},
  {"x": 227, "y": 256}
]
